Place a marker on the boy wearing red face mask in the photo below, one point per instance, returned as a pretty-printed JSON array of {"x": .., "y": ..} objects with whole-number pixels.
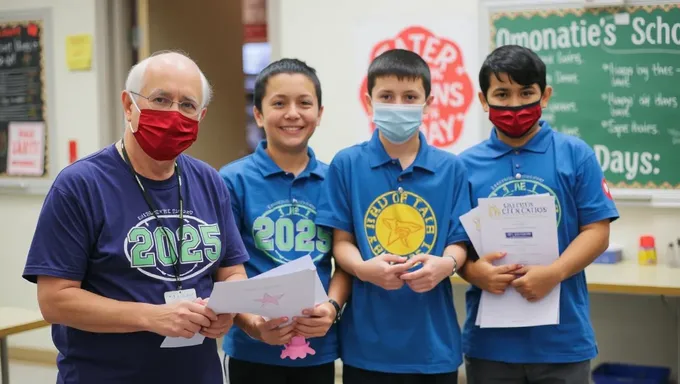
[{"x": 523, "y": 155}]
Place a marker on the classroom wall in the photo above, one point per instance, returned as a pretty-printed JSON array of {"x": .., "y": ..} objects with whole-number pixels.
[
  {"x": 634, "y": 329},
  {"x": 628, "y": 328},
  {"x": 215, "y": 44},
  {"x": 77, "y": 110}
]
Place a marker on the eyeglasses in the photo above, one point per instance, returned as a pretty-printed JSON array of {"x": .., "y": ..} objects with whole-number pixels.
[{"x": 162, "y": 103}]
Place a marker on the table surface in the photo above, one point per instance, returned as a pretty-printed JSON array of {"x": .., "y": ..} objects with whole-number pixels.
[
  {"x": 628, "y": 277},
  {"x": 16, "y": 320}
]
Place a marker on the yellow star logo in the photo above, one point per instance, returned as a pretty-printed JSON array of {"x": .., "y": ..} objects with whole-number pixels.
[{"x": 400, "y": 230}]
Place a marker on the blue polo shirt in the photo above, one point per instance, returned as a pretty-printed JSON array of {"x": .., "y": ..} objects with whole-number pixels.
[
  {"x": 402, "y": 212},
  {"x": 565, "y": 167},
  {"x": 275, "y": 213}
]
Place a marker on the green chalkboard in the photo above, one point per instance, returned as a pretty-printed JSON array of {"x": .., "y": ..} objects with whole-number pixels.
[{"x": 615, "y": 74}]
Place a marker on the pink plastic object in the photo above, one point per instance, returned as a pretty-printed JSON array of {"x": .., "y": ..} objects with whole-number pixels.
[{"x": 297, "y": 348}]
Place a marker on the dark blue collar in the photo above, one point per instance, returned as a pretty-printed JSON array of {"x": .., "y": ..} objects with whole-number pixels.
[
  {"x": 378, "y": 156},
  {"x": 268, "y": 167},
  {"x": 539, "y": 143}
]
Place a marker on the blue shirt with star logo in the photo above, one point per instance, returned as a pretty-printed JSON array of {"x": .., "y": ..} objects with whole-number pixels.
[
  {"x": 566, "y": 168},
  {"x": 405, "y": 213},
  {"x": 275, "y": 213}
]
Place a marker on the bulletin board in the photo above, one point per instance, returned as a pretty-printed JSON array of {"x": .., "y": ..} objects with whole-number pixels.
[
  {"x": 26, "y": 117},
  {"x": 615, "y": 85}
]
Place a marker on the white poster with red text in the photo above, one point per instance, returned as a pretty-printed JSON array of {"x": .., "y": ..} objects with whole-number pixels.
[
  {"x": 26, "y": 148},
  {"x": 450, "y": 49}
]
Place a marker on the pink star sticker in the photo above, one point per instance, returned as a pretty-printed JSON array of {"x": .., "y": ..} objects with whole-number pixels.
[{"x": 269, "y": 299}]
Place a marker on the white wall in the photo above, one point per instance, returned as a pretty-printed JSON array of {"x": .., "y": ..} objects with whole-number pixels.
[
  {"x": 628, "y": 328},
  {"x": 77, "y": 108}
]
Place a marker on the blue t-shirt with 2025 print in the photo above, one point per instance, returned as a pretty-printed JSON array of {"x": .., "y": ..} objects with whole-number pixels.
[
  {"x": 95, "y": 227},
  {"x": 275, "y": 213}
]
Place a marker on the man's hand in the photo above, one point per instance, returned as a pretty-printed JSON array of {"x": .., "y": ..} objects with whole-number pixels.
[
  {"x": 318, "y": 323},
  {"x": 269, "y": 331},
  {"x": 219, "y": 327},
  {"x": 434, "y": 269},
  {"x": 494, "y": 279},
  {"x": 380, "y": 272},
  {"x": 537, "y": 282},
  {"x": 181, "y": 319}
]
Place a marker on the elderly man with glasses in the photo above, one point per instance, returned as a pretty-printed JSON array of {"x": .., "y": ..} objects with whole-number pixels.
[{"x": 131, "y": 239}]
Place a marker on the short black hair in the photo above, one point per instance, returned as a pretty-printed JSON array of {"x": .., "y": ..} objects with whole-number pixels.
[
  {"x": 403, "y": 64},
  {"x": 287, "y": 66},
  {"x": 521, "y": 64}
]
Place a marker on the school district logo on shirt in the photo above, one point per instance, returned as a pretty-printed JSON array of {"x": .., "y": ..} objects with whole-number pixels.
[
  {"x": 400, "y": 223},
  {"x": 286, "y": 231},
  {"x": 152, "y": 249},
  {"x": 527, "y": 185}
]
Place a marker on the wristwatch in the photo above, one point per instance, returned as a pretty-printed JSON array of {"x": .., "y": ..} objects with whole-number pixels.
[
  {"x": 338, "y": 310},
  {"x": 455, "y": 264}
]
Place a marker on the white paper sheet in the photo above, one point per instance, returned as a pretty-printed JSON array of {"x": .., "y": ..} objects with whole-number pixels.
[
  {"x": 525, "y": 228},
  {"x": 473, "y": 229},
  {"x": 179, "y": 342},
  {"x": 284, "y": 295},
  {"x": 296, "y": 265}
]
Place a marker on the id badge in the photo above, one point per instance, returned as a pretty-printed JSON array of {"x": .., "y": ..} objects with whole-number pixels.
[{"x": 181, "y": 295}]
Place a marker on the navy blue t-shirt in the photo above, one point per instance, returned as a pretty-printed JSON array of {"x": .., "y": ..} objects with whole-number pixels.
[
  {"x": 275, "y": 212},
  {"x": 95, "y": 227}
]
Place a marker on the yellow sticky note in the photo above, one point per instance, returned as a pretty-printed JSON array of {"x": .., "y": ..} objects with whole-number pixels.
[{"x": 79, "y": 52}]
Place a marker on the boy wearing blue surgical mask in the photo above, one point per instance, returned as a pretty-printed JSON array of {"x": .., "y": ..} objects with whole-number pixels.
[{"x": 393, "y": 203}]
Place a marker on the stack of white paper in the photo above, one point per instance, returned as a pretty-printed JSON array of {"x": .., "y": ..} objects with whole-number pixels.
[
  {"x": 284, "y": 291},
  {"x": 524, "y": 227}
]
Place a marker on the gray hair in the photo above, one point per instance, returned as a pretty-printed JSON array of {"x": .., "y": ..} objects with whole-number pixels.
[{"x": 136, "y": 76}]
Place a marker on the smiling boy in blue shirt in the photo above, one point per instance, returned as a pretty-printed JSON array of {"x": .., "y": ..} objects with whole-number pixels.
[
  {"x": 274, "y": 195},
  {"x": 523, "y": 155},
  {"x": 394, "y": 202}
]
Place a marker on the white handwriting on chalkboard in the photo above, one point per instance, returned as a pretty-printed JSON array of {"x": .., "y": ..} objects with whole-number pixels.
[
  {"x": 569, "y": 58},
  {"x": 576, "y": 35},
  {"x": 634, "y": 127},
  {"x": 654, "y": 33},
  {"x": 8, "y": 60},
  {"x": 662, "y": 70},
  {"x": 614, "y": 128},
  {"x": 566, "y": 78},
  {"x": 619, "y": 106},
  {"x": 625, "y": 162},
  {"x": 620, "y": 75},
  {"x": 657, "y": 32},
  {"x": 665, "y": 101},
  {"x": 6, "y": 48},
  {"x": 642, "y": 71},
  {"x": 562, "y": 106},
  {"x": 645, "y": 100},
  {"x": 563, "y": 58},
  {"x": 644, "y": 128},
  {"x": 573, "y": 131},
  {"x": 675, "y": 135},
  {"x": 25, "y": 46}
]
